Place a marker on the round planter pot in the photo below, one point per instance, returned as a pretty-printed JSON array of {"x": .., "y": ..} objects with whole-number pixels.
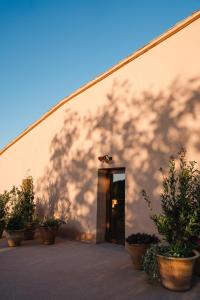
[
  {"x": 1, "y": 232},
  {"x": 48, "y": 235},
  {"x": 176, "y": 273},
  {"x": 197, "y": 265},
  {"x": 29, "y": 234},
  {"x": 14, "y": 237},
  {"x": 2, "y": 227},
  {"x": 137, "y": 252}
]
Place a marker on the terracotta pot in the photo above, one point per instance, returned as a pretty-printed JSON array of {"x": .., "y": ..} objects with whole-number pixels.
[
  {"x": 137, "y": 252},
  {"x": 48, "y": 235},
  {"x": 197, "y": 267},
  {"x": 14, "y": 237},
  {"x": 176, "y": 273},
  {"x": 197, "y": 264},
  {"x": 2, "y": 226},
  {"x": 29, "y": 234},
  {"x": 1, "y": 232},
  {"x": 29, "y": 231}
]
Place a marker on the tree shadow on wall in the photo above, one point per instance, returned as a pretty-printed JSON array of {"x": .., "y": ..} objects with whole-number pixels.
[{"x": 140, "y": 132}]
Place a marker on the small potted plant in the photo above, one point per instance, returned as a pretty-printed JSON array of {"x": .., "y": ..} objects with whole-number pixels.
[
  {"x": 14, "y": 227},
  {"x": 4, "y": 199},
  {"x": 178, "y": 223},
  {"x": 137, "y": 245},
  {"x": 14, "y": 230},
  {"x": 48, "y": 229}
]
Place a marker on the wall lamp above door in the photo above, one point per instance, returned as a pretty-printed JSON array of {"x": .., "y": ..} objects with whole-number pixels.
[{"x": 105, "y": 158}]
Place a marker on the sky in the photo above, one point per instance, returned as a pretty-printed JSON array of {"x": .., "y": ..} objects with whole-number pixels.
[{"x": 49, "y": 48}]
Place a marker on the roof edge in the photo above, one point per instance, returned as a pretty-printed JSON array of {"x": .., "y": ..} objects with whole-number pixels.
[{"x": 173, "y": 30}]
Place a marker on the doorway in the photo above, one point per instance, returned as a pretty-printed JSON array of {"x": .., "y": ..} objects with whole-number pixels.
[{"x": 111, "y": 202}]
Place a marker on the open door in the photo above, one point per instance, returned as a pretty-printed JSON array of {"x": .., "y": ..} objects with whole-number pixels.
[
  {"x": 115, "y": 207},
  {"x": 111, "y": 205}
]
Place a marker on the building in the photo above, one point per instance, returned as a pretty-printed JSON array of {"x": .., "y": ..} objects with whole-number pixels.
[{"x": 93, "y": 152}]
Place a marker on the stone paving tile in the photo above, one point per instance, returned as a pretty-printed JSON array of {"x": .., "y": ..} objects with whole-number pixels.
[{"x": 76, "y": 271}]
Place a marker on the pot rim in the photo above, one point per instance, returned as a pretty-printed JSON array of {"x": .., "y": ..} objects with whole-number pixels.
[
  {"x": 137, "y": 245},
  {"x": 49, "y": 227},
  {"x": 197, "y": 254},
  {"x": 14, "y": 230}
]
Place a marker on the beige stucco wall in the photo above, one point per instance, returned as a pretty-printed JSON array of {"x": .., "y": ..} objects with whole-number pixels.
[{"x": 140, "y": 114}]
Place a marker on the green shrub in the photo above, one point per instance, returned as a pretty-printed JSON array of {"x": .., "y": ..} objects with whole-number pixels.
[
  {"x": 142, "y": 238},
  {"x": 150, "y": 261},
  {"x": 4, "y": 199},
  {"x": 15, "y": 222},
  {"x": 51, "y": 222},
  {"x": 20, "y": 206},
  {"x": 22, "y": 200}
]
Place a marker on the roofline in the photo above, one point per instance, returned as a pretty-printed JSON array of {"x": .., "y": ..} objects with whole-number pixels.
[{"x": 173, "y": 30}]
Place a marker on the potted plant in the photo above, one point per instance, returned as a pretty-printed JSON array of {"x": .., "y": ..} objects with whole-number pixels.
[
  {"x": 137, "y": 245},
  {"x": 14, "y": 230},
  {"x": 4, "y": 198},
  {"x": 48, "y": 230},
  {"x": 14, "y": 227},
  {"x": 28, "y": 207},
  {"x": 178, "y": 223}
]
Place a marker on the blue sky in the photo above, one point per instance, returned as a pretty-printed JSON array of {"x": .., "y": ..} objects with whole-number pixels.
[{"x": 49, "y": 48}]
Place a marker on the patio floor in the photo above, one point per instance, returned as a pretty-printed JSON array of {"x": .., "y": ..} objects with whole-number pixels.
[{"x": 74, "y": 270}]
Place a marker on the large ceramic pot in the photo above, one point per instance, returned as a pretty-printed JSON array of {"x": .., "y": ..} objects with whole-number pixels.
[
  {"x": 197, "y": 263},
  {"x": 29, "y": 234},
  {"x": 14, "y": 237},
  {"x": 137, "y": 252},
  {"x": 197, "y": 267},
  {"x": 2, "y": 226},
  {"x": 176, "y": 273},
  {"x": 1, "y": 232},
  {"x": 48, "y": 234},
  {"x": 29, "y": 231}
]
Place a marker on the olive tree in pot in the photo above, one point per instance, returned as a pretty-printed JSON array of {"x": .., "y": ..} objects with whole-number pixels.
[
  {"x": 14, "y": 227},
  {"x": 48, "y": 230},
  {"x": 137, "y": 245},
  {"x": 178, "y": 223},
  {"x": 4, "y": 199},
  {"x": 14, "y": 230}
]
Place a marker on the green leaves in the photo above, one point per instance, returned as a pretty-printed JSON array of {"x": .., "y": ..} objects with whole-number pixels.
[
  {"x": 51, "y": 222},
  {"x": 4, "y": 199},
  {"x": 15, "y": 222},
  {"x": 173, "y": 250},
  {"x": 17, "y": 206},
  {"x": 142, "y": 238},
  {"x": 150, "y": 263},
  {"x": 27, "y": 199},
  {"x": 180, "y": 203}
]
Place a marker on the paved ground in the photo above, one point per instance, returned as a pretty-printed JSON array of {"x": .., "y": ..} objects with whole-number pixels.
[{"x": 74, "y": 270}]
